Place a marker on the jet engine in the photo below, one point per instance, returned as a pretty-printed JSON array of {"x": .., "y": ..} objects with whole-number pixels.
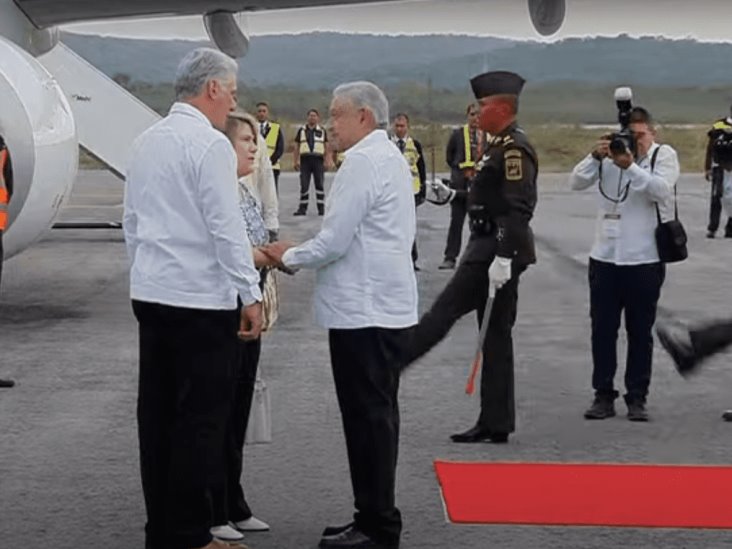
[
  {"x": 39, "y": 130},
  {"x": 547, "y": 16}
]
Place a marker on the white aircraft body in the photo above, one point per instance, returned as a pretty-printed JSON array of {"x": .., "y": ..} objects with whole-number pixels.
[{"x": 51, "y": 100}]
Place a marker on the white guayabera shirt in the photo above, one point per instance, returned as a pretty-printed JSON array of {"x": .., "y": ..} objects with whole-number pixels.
[
  {"x": 628, "y": 198},
  {"x": 185, "y": 235},
  {"x": 362, "y": 253}
]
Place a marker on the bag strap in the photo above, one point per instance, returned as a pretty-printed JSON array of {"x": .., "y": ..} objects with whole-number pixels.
[{"x": 676, "y": 203}]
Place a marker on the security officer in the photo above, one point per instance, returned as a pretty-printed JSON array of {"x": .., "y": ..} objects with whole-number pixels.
[
  {"x": 412, "y": 151},
  {"x": 463, "y": 150},
  {"x": 311, "y": 159},
  {"x": 717, "y": 167},
  {"x": 6, "y": 193},
  {"x": 501, "y": 203},
  {"x": 273, "y": 136}
]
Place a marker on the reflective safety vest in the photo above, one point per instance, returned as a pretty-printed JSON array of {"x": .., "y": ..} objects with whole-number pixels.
[
  {"x": 4, "y": 198},
  {"x": 271, "y": 140},
  {"x": 721, "y": 136},
  {"x": 411, "y": 155},
  {"x": 469, "y": 160},
  {"x": 318, "y": 141}
]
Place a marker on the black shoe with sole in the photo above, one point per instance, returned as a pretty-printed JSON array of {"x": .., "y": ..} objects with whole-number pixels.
[
  {"x": 602, "y": 407},
  {"x": 637, "y": 410},
  {"x": 353, "y": 538},
  {"x": 677, "y": 342},
  {"x": 300, "y": 212},
  {"x": 7, "y": 383},
  {"x": 727, "y": 415},
  {"x": 710, "y": 234},
  {"x": 330, "y": 531},
  {"x": 447, "y": 264},
  {"x": 480, "y": 434}
]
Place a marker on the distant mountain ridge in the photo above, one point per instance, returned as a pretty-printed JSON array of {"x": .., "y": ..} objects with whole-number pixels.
[{"x": 320, "y": 60}]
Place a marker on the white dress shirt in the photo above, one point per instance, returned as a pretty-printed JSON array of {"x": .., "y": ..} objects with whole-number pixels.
[
  {"x": 185, "y": 234},
  {"x": 631, "y": 194},
  {"x": 261, "y": 183},
  {"x": 362, "y": 253}
]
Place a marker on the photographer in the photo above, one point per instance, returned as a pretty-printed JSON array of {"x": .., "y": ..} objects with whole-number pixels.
[{"x": 632, "y": 176}]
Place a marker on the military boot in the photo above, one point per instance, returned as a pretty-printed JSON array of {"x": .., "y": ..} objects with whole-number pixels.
[{"x": 602, "y": 407}]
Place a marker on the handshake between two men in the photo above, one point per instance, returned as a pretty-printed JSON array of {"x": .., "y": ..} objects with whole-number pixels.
[{"x": 270, "y": 255}]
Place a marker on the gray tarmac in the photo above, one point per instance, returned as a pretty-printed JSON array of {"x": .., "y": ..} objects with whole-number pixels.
[{"x": 68, "y": 448}]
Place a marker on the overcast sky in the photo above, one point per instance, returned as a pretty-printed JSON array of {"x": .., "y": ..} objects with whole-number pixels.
[{"x": 709, "y": 20}]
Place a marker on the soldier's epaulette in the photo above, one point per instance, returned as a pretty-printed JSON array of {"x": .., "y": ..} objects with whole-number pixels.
[{"x": 501, "y": 141}]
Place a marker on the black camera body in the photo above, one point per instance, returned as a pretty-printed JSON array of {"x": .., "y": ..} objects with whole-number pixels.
[{"x": 623, "y": 140}]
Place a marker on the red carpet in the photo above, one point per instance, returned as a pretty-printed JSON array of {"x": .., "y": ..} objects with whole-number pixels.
[{"x": 667, "y": 496}]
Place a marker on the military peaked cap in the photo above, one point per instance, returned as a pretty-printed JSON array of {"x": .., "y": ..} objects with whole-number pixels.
[{"x": 496, "y": 83}]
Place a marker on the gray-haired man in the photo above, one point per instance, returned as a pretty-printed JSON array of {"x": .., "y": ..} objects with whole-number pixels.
[
  {"x": 190, "y": 261},
  {"x": 366, "y": 295}
]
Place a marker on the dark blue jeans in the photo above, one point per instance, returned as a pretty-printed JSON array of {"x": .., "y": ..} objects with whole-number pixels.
[{"x": 614, "y": 289}]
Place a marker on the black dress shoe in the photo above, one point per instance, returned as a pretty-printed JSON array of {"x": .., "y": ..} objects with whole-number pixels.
[
  {"x": 7, "y": 383},
  {"x": 300, "y": 212},
  {"x": 479, "y": 434},
  {"x": 447, "y": 264},
  {"x": 353, "y": 538},
  {"x": 335, "y": 530},
  {"x": 677, "y": 342}
]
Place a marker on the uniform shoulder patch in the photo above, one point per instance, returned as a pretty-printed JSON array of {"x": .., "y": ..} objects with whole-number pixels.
[{"x": 513, "y": 165}]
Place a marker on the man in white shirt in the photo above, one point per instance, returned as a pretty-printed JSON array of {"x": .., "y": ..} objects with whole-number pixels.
[
  {"x": 625, "y": 273},
  {"x": 366, "y": 296},
  {"x": 191, "y": 259}
]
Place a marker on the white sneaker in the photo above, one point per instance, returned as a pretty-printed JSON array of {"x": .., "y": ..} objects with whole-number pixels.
[
  {"x": 226, "y": 533},
  {"x": 252, "y": 524}
]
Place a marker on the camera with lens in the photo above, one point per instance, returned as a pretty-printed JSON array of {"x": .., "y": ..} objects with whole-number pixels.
[{"x": 623, "y": 140}]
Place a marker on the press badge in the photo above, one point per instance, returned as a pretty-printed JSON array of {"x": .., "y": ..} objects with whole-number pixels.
[{"x": 611, "y": 225}]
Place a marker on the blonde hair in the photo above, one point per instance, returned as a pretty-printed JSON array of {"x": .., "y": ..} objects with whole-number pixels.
[{"x": 235, "y": 119}]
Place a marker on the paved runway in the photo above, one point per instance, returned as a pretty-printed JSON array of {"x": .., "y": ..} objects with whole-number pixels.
[{"x": 68, "y": 448}]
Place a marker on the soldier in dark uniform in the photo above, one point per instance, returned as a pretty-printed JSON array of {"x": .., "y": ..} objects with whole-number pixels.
[{"x": 501, "y": 203}]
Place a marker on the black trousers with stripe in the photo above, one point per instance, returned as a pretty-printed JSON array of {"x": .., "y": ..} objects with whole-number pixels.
[{"x": 312, "y": 166}]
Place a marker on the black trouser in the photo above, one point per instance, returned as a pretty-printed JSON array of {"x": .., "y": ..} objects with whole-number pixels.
[
  {"x": 458, "y": 210},
  {"x": 366, "y": 370},
  {"x": 711, "y": 338},
  {"x": 311, "y": 164},
  {"x": 229, "y": 503},
  {"x": 415, "y": 253},
  {"x": 184, "y": 401},
  {"x": 715, "y": 203},
  {"x": 614, "y": 289},
  {"x": 467, "y": 291},
  {"x": 276, "y": 174}
]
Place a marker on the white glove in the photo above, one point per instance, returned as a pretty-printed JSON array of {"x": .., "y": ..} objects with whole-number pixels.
[
  {"x": 438, "y": 193},
  {"x": 498, "y": 273}
]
